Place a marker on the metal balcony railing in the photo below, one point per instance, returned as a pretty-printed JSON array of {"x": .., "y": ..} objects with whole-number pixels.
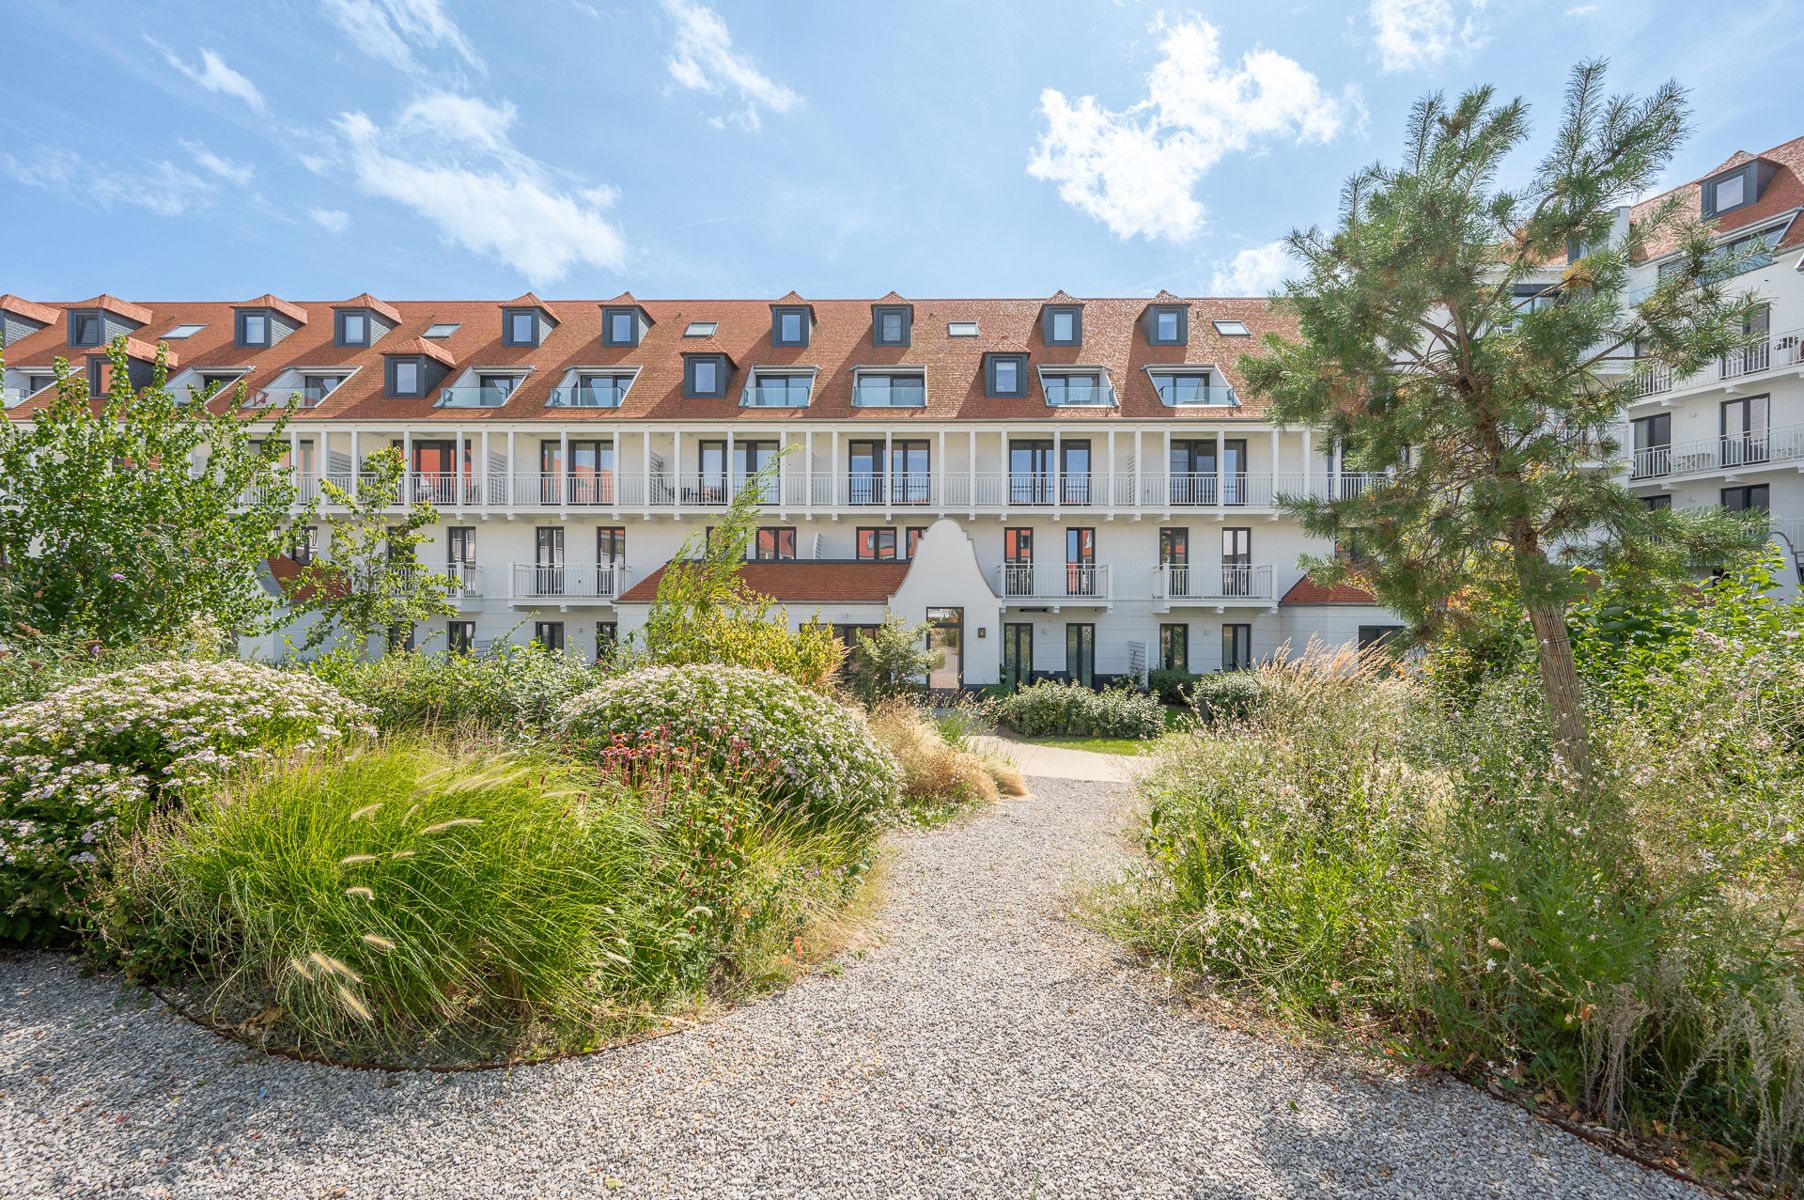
[
  {"x": 561, "y": 583},
  {"x": 1221, "y": 582},
  {"x": 590, "y": 395},
  {"x": 1074, "y": 393},
  {"x": 889, "y": 393},
  {"x": 473, "y": 397},
  {"x": 1055, "y": 582},
  {"x": 1179, "y": 394}
]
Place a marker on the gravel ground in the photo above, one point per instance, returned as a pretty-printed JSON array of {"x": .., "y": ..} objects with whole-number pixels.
[{"x": 988, "y": 1047}]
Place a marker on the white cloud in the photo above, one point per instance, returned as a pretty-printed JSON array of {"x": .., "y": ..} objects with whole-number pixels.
[
  {"x": 1137, "y": 170},
  {"x": 214, "y": 75},
  {"x": 449, "y": 158},
  {"x": 332, "y": 220},
  {"x": 703, "y": 60},
  {"x": 161, "y": 187},
  {"x": 228, "y": 170},
  {"x": 391, "y": 30},
  {"x": 1413, "y": 34},
  {"x": 1254, "y": 272}
]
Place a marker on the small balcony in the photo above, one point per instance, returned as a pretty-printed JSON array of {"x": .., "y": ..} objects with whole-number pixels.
[
  {"x": 1734, "y": 454},
  {"x": 1082, "y": 584},
  {"x": 272, "y": 397},
  {"x": 564, "y": 585},
  {"x": 473, "y": 397},
  {"x": 898, "y": 488},
  {"x": 466, "y": 581},
  {"x": 1184, "y": 394},
  {"x": 592, "y": 395},
  {"x": 1219, "y": 585}
]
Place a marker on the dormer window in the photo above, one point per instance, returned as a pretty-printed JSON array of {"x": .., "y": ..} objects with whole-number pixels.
[
  {"x": 1063, "y": 325},
  {"x": 85, "y": 328},
  {"x": 891, "y": 325},
  {"x": 1192, "y": 387},
  {"x": 778, "y": 389},
  {"x": 353, "y": 328},
  {"x": 1733, "y": 189},
  {"x": 406, "y": 377},
  {"x": 705, "y": 376},
  {"x": 620, "y": 326},
  {"x": 1077, "y": 389},
  {"x": 1004, "y": 375},
  {"x": 1167, "y": 325},
  {"x": 789, "y": 326},
  {"x": 253, "y": 328},
  {"x": 520, "y": 327},
  {"x": 890, "y": 389}
]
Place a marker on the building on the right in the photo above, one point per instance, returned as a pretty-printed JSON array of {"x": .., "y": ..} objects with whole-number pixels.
[{"x": 1732, "y": 435}]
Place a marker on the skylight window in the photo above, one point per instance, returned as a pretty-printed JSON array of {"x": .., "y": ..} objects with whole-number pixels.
[
  {"x": 961, "y": 328},
  {"x": 701, "y": 329},
  {"x": 182, "y": 331},
  {"x": 443, "y": 329},
  {"x": 1232, "y": 328}
]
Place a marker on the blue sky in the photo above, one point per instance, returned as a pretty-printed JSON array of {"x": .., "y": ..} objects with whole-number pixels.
[{"x": 427, "y": 148}]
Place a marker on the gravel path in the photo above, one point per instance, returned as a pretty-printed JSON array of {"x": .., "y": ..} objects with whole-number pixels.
[{"x": 988, "y": 1047}]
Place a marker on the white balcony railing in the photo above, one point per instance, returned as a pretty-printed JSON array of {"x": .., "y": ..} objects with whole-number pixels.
[
  {"x": 1784, "y": 444},
  {"x": 562, "y": 583},
  {"x": 1215, "y": 584},
  {"x": 1055, "y": 583},
  {"x": 466, "y": 580}
]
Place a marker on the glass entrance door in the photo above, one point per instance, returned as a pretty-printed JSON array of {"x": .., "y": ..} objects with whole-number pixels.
[
  {"x": 1017, "y": 655},
  {"x": 946, "y": 634}
]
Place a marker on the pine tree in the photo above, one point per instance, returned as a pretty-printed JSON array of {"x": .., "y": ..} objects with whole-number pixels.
[{"x": 1476, "y": 344}]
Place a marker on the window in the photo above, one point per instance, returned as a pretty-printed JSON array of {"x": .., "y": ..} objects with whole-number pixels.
[
  {"x": 592, "y": 391},
  {"x": 182, "y": 331},
  {"x": 911, "y": 537},
  {"x": 891, "y": 325},
  {"x": 1657, "y": 503},
  {"x": 1653, "y": 446},
  {"x": 789, "y": 326},
  {"x": 442, "y": 329},
  {"x": 1179, "y": 389},
  {"x": 1062, "y": 326},
  {"x": 1017, "y": 654},
  {"x": 305, "y": 546},
  {"x": 549, "y": 634},
  {"x": 1236, "y": 647},
  {"x": 353, "y": 329},
  {"x": 889, "y": 389},
  {"x": 460, "y": 550},
  {"x": 1080, "y": 562},
  {"x": 1080, "y": 653},
  {"x": 607, "y": 637},
  {"x": 876, "y": 545},
  {"x": 778, "y": 389},
  {"x": 84, "y": 329},
  {"x": 253, "y": 329},
  {"x": 700, "y": 329},
  {"x": 905, "y": 479},
  {"x": 1744, "y": 430},
  {"x": 1749, "y": 498},
  {"x": 1174, "y": 647},
  {"x": 1377, "y": 635},
  {"x": 1168, "y": 325},
  {"x": 1231, "y": 328},
  {"x": 620, "y": 327},
  {"x": 961, "y": 329},
  {"x": 1731, "y": 190},
  {"x": 1236, "y": 562},
  {"x": 460, "y": 636},
  {"x": 405, "y": 377},
  {"x": 704, "y": 376},
  {"x": 520, "y": 327},
  {"x": 774, "y": 544},
  {"x": 610, "y": 547},
  {"x": 1076, "y": 389},
  {"x": 1005, "y": 375}
]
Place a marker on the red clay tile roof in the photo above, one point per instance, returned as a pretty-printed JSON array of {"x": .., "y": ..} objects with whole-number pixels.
[
  {"x": 293, "y": 312},
  {"x": 364, "y": 300},
  {"x": 1783, "y": 193},
  {"x": 135, "y": 348},
  {"x": 840, "y": 343},
  {"x": 1308, "y": 591},
  {"x": 814, "y": 581},
  {"x": 113, "y": 304},
  {"x": 43, "y": 314},
  {"x": 528, "y": 300}
]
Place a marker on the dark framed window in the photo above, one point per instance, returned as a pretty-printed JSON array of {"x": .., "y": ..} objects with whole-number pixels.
[
  {"x": 305, "y": 546},
  {"x": 1731, "y": 190},
  {"x": 520, "y": 327},
  {"x": 1004, "y": 375},
  {"x": 85, "y": 328},
  {"x": 705, "y": 376},
  {"x": 620, "y": 326},
  {"x": 1080, "y": 653},
  {"x": 1377, "y": 635},
  {"x": 1653, "y": 446},
  {"x": 911, "y": 537},
  {"x": 352, "y": 328},
  {"x": 1657, "y": 503},
  {"x": 892, "y": 325},
  {"x": 1236, "y": 647},
  {"x": 253, "y": 328},
  {"x": 789, "y": 326},
  {"x": 1168, "y": 325},
  {"x": 406, "y": 377},
  {"x": 460, "y": 636},
  {"x": 1018, "y": 546},
  {"x": 774, "y": 543},
  {"x": 1062, "y": 325},
  {"x": 1174, "y": 647},
  {"x": 1017, "y": 654},
  {"x": 549, "y": 634},
  {"x": 460, "y": 547},
  {"x": 610, "y": 547},
  {"x": 607, "y": 637},
  {"x": 1754, "y": 497},
  {"x": 876, "y": 545}
]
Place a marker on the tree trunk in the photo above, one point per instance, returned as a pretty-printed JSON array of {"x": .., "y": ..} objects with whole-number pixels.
[{"x": 1560, "y": 687}]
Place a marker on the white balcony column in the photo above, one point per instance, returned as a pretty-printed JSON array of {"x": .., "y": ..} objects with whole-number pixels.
[
  {"x": 1140, "y": 496},
  {"x": 808, "y": 474},
  {"x": 294, "y": 463},
  {"x": 513, "y": 467},
  {"x": 971, "y": 469},
  {"x": 645, "y": 470},
  {"x": 459, "y": 466},
  {"x": 833, "y": 469},
  {"x": 1058, "y": 476},
  {"x": 782, "y": 474},
  {"x": 1334, "y": 470},
  {"x": 1271, "y": 492},
  {"x": 936, "y": 489},
  {"x": 356, "y": 464},
  {"x": 1113, "y": 499},
  {"x": 1308, "y": 463},
  {"x": 406, "y": 496},
  {"x": 888, "y": 474},
  {"x": 563, "y": 467},
  {"x": 484, "y": 484},
  {"x": 727, "y": 466},
  {"x": 1166, "y": 473}
]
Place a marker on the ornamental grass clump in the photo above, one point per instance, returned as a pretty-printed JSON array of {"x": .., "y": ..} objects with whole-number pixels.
[
  {"x": 100, "y": 755},
  {"x": 939, "y": 779},
  {"x": 826, "y": 769}
]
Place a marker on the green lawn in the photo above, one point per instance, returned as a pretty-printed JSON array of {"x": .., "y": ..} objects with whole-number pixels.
[{"x": 1101, "y": 745}]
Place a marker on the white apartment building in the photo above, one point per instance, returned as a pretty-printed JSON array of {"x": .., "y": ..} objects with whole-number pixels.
[{"x": 1068, "y": 486}]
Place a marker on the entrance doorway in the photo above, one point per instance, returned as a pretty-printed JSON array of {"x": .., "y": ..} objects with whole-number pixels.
[
  {"x": 1017, "y": 655},
  {"x": 946, "y": 634}
]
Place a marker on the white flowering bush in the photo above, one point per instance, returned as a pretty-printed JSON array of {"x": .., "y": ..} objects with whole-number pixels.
[
  {"x": 816, "y": 757},
  {"x": 1054, "y": 709},
  {"x": 99, "y": 755}
]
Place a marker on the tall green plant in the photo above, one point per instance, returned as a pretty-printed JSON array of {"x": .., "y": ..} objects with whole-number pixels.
[
  {"x": 1438, "y": 346},
  {"x": 369, "y": 580},
  {"x": 128, "y": 517}
]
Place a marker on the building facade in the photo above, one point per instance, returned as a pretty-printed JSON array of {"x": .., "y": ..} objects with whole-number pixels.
[{"x": 1060, "y": 486}]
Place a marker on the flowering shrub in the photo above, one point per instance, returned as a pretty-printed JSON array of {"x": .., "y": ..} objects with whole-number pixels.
[
  {"x": 1053, "y": 709},
  {"x": 100, "y": 754},
  {"x": 823, "y": 764},
  {"x": 510, "y": 689}
]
